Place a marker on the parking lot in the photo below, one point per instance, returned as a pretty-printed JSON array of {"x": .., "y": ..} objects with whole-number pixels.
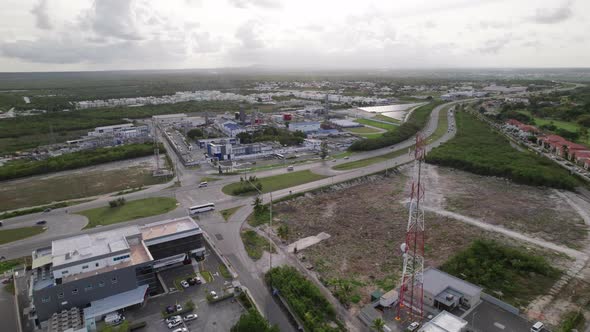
[{"x": 220, "y": 316}]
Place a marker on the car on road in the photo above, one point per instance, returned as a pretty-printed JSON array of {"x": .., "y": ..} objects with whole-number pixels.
[
  {"x": 47, "y": 210},
  {"x": 346, "y": 157},
  {"x": 41, "y": 222},
  {"x": 290, "y": 168},
  {"x": 537, "y": 327},
  {"x": 184, "y": 284},
  {"x": 190, "y": 317},
  {"x": 214, "y": 295},
  {"x": 203, "y": 184},
  {"x": 414, "y": 326},
  {"x": 181, "y": 329}
]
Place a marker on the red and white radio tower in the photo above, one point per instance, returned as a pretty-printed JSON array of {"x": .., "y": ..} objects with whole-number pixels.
[{"x": 411, "y": 290}]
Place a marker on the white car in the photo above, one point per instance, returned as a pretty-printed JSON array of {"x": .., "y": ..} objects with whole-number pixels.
[
  {"x": 182, "y": 329},
  {"x": 214, "y": 295},
  {"x": 174, "y": 323},
  {"x": 414, "y": 326},
  {"x": 190, "y": 317},
  {"x": 538, "y": 326},
  {"x": 184, "y": 284},
  {"x": 173, "y": 319}
]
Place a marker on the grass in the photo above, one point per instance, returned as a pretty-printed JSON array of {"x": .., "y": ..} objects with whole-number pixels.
[
  {"x": 369, "y": 161},
  {"x": 375, "y": 135},
  {"x": 42, "y": 208},
  {"x": 207, "y": 276},
  {"x": 567, "y": 125},
  {"x": 11, "y": 263},
  {"x": 363, "y": 130},
  {"x": 442, "y": 126},
  {"x": 343, "y": 154},
  {"x": 478, "y": 149},
  {"x": 254, "y": 244},
  {"x": 385, "y": 118},
  {"x": 377, "y": 124},
  {"x": 129, "y": 191},
  {"x": 224, "y": 272},
  {"x": 227, "y": 213},
  {"x": 511, "y": 274},
  {"x": 39, "y": 190},
  {"x": 209, "y": 179},
  {"x": 278, "y": 182},
  {"x": 15, "y": 234},
  {"x": 259, "y": 218},
  {"x": 140, "y": 208}
]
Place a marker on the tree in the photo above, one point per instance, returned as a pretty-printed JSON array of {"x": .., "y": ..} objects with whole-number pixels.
[
  {"x": 283, "y": 231},
  {"x": 324, "y": 150},
  {"x": 378, "y": 325},
  {"x": 252, "y": 321},
  {"x": 195, "y": 133},
  {"x": 257, "y": 203}
]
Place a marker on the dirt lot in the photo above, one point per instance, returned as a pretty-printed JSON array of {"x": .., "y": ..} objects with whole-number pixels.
[
  {"x": 367, "y": 224},
  {"x": 84, "y": 182},
  {"x": 539, "y": 212}
]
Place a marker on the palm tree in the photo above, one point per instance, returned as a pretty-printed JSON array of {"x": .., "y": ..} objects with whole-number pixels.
[{"x": 378, "y": 325}]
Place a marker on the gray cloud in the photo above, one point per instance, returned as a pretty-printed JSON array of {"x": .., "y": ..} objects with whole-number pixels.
[
  {"x": 112, "y": 18},
  {"x": 248, "y": 37},
  {"x": 42, "y": 20},
  {"x": 256, "y": 3},
  {"x": 553, "y": 15},
  {"x": 493, "y": 46},
  {"x": 204, "y": 43}
]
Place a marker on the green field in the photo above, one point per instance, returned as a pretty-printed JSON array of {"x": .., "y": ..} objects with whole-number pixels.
[
  {"x": 385, "y": 118},
  {"x": 377, "y": 124},
  {"x": 511, "y": 274},
  {"x": 15, "y": 234},
  {"x": 16, "y": 194},
  {"x": 254, "y": 244},
  {"x": 362, "y": 130},
  {"x": 442, "y": 126},
  {"x": 369, "y": 161},
  {"x": 567, "y": 125},
  {"x": 477, "y": 149},
  {"x": 278, "y": 182},
  {"x": 6, "y": 265},
  {"x": 140, "y": 208},
  {"x": 227, "y": 213}
]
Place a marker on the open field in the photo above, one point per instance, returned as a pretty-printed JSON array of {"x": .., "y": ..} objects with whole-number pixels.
[
  {"x": 385, "y": 118},
  {"x": 377, "y": 124},
  {"x": 254, "y": 244},
  {"x": 367, "y": 224},
  {"x": 567, "y": 125},
  {"x": 537, "y": 211},
  {"x": 15, "y": 234},
  {"x": 85, "y": 182},
  {"x": 477, "y": 149},
  {"x": 226, "y": 214},
  {"x": 363, "y": 130},
  {"x": 140, "y": 208},
  {"x": 369, "y": 161},
  {"x": 278, "y": 182}
]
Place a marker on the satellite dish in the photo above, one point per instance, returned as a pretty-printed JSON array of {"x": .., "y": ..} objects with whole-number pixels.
[{"x": 403, "y": 247}]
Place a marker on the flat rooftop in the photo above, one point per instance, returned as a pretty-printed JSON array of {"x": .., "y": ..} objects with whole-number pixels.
[
  {"x": 444, "y": 322},
  {"x": 437, "y": 281},
  {"x": 87, "y": 246},
  {"x": 168, "y": 227}
]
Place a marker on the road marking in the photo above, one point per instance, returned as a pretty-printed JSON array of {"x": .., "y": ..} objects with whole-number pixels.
[{"x": 500, "y": 326}]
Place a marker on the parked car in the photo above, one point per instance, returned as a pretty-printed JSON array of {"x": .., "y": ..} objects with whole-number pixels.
[
  {"x": 184, "y": 284},
  {"x": 173, "y": 308},
  {"x": 190, "y": 317},
  {"x": 414, "y": 326},
  {"x": 181, "y": 329},
  {"x": 198, "y": 280},
  {"x": 173, "y": 319},
  {"x": 214, "y": 295},
  {"x": 41, "y": 222},
  {"x": 537, "y": 327},
  {"x": 174, "y": 323}
]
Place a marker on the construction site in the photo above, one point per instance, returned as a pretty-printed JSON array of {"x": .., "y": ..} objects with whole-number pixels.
[{"x": 370, "y": 231}]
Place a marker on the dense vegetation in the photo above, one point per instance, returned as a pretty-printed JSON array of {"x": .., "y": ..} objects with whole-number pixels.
[
  {"x": 573, "y": 320},
  {"x": 252, "y": 321},
  {"x": 304, "y": 298},
  {"x": 415, "y": 123},
  {"x": 477, "y": 149},
  {"x": 22, "y": 168},
  {"x": 510, "y": 274},
  {"x": 283, "y": 136}
]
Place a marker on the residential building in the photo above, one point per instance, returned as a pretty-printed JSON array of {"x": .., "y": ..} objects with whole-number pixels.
[{"x": 107, "y": 271}]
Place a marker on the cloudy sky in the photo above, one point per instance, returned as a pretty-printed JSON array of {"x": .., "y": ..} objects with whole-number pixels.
[{"x": 56, "y": 35}]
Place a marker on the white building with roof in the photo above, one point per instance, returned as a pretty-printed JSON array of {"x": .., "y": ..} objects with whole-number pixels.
[
  {"x": 446, "y": 292},
  {"x": 444, "y": 322}
]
